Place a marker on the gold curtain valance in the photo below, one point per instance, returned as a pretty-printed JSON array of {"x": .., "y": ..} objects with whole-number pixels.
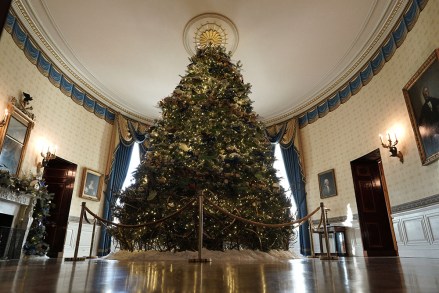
[{"x": 284, "y": 133}]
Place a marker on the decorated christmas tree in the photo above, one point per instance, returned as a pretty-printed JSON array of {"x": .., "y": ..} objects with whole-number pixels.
[
  {"x": 210, "y": 142},
  {"x": 35, "y": 242}
]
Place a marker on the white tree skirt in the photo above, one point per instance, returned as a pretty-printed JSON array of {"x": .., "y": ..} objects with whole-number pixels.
[{"x": 226, "y": 256}]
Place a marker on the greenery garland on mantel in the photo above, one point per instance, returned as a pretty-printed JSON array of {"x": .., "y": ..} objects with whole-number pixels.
[{"x": 41, "y": 203}]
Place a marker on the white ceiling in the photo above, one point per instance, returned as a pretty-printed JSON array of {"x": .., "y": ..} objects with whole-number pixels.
[{"x": 294, "y": 53}]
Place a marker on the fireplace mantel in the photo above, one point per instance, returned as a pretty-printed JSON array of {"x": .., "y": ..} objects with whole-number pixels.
[{"x": 21, "y": 199}]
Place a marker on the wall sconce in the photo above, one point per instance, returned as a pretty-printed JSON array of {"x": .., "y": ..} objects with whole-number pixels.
[
  {"x": 391, "y": 145},
  {"x": 3, "y": 122},
  {"x": 46, "y": 158}
]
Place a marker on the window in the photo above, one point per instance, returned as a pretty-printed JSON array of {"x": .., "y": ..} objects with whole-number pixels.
[
  {"x": 134, "y": 163},
  {"x": 282, "y": 174}
]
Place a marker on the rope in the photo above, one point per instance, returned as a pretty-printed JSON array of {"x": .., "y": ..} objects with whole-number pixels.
[
  {"x": 268, "y": 225},
  {"x": 321, "y": 221},
  {"x": 86, "y": 219},
  {"x": 299, "y": 221},
  {"x": 144, "y": 224},
  {"x": 314, "y": 228}
]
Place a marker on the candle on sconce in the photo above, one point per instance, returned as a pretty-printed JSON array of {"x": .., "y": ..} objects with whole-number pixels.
[
  {"x": 388, "y": 135},
  {"x": 51, "y": 149},
  {"x": 3, "y": 122},
  {"x": 43, "y": 148},
  {"x": 381, "y": 138},
  {"x": 46, "y": 148}
]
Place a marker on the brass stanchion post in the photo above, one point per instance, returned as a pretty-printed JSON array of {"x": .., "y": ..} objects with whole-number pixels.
[
  {"x": 78, "y": 236},
  {"x": 200, "y": 231},
  {"x": 313, "y": 255},
  {"x": 200, "y": 225},
  {"x": 325, "y": 231},
  {"x": 92, "y": 239}
]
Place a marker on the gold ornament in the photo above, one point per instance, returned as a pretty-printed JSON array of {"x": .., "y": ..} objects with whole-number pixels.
[{"x": 184, "y": 147}]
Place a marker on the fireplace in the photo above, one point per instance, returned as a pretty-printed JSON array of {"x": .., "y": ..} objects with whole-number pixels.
[
  {"x": 15, "y": 215},
  {"x": 10, "y": 238},
  {"x": 5, "y": 229}
]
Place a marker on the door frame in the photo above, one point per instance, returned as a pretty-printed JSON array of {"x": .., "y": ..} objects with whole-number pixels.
[
  {"x": 375, "y": 157},
  {"x": 60, "y": 163}
]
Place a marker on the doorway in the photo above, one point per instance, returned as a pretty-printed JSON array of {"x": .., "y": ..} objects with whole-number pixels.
[
  {"x": 59, "y": 176},
  {"x": 373, "y": 206}
]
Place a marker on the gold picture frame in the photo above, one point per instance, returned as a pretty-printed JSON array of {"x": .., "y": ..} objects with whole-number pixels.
[
  {"x": 327, "y": 184},
  {"x": 14, "y": 137},
  {"x": 91, "y": 185},
  {"x": 421, "y": 95}
]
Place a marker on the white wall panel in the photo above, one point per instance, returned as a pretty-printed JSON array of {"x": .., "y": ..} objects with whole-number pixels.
[
  {"x": 433, "y": 226},
  {"x": 415, "y": 231},
  {"x": 85, "y": 240},
  {"x": 419, "y": 232}
]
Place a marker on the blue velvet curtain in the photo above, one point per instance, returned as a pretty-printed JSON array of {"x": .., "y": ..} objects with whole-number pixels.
[
  {"x": 129, "y": 134},
  {"x": 294, "y": 174},
  {"x": 286, "y": 135},
  {"x": 115, "y": 181}
]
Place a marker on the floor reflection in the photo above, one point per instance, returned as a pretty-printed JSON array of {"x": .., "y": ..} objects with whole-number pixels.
[
  {"x": 305, "y": 275},
  {"x": 205, "y": 277}
]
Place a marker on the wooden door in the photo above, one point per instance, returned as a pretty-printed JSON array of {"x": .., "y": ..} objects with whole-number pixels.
[
  {"x": 59, "y": 176},
  {"x": 373, "y": 208},
  {"x": 4, "y": 8}
]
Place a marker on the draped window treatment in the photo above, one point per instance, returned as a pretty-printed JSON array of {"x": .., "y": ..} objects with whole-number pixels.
[
  {"x": 286, "y": 134},
  {"x": 125, "y": 134}
]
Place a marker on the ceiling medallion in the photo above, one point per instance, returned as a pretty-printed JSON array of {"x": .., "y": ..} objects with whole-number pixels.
[{"x": 210, "y": 29}]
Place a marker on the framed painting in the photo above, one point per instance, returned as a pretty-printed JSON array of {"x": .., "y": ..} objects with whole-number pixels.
[
  {"x": 91, "y": 187},
  {"x": 327, "y": 184},
  {"x": 421, "y": 95}
]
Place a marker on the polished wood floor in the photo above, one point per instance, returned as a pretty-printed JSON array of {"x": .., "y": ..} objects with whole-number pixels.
[{"x": 302, "y": 275}]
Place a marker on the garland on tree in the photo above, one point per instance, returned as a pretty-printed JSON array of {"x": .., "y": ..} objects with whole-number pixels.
[
  {"x": 208, "y": 141},
  {"x": 35, "y": 244}
]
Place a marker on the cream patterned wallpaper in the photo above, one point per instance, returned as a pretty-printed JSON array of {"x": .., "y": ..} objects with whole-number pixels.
[
  {"x": 81, "y": 137},
  {"x": 352, "y": 130}
]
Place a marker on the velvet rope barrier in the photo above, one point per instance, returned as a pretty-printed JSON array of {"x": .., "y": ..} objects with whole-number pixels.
[
  {"x": 144, "y": 224},
  {"x": 299, "y": 221},
  {"x": 85, "y": 210}
]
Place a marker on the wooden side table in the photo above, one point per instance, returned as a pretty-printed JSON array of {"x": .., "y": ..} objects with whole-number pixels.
[{"x": 339, "y": 238}]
